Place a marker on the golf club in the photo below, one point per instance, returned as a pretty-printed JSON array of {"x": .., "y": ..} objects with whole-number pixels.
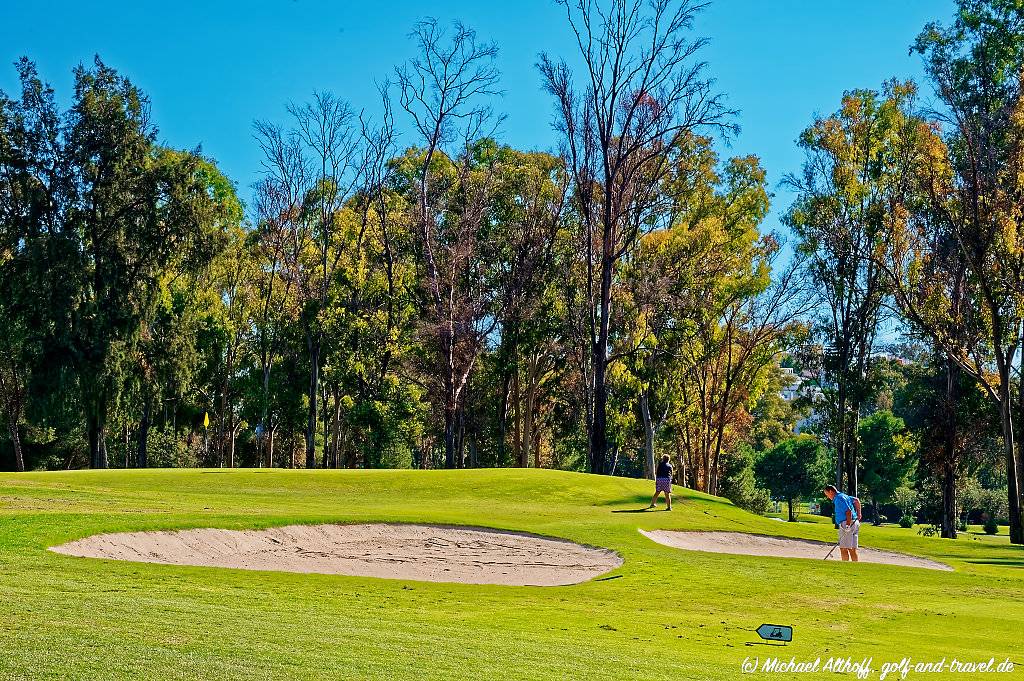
[{"x": 830, "y": 552}]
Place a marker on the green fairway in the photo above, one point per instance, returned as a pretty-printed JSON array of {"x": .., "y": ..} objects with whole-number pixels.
[{"x": 665, "y": 614}]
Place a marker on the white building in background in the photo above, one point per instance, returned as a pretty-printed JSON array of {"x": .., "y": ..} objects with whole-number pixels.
[
  {"x": 796, "y": 385},
  {"x": 791, "y": 384}
]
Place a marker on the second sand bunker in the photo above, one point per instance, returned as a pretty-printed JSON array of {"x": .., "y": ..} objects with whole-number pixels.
[{"x": 778, "y": 547}]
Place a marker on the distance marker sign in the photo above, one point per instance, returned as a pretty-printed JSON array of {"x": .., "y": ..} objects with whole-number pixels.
[{"x": 775, "y": 632}]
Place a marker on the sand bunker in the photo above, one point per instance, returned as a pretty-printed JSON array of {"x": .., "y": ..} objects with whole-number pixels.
[
  {"x": 778, "y": 547},
  {"x": 418, "y": 552}
]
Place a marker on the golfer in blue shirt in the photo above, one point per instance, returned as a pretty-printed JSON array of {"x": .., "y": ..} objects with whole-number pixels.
[{"x": 847, "y": 517}]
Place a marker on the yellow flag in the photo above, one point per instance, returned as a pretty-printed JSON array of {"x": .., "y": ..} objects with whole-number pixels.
[{"x": 206, "y": 420}]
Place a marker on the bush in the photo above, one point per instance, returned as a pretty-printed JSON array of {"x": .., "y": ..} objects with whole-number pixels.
[
  {"x": 962, "y": 527},
  {"x": 167, "y": 449},
  {"x": 906, "y": 499},
  {"x": 906, "y": 522},
  {"x": 928, "y": 531},
  {"x": 990, "y": 526},
  {"x": 739, "y": 485}
]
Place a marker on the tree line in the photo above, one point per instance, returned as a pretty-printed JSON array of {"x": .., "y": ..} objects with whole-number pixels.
[
  {"x": 405, "y": 289},
  {"x": 908, "y": 212},
  {"x": 452, "y": 301}
]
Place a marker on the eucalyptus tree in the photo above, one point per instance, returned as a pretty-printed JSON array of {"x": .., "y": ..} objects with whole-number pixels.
[
  {"x": 853, "y": 174},
  {"x": 527, "y": 226},
  {"x": 315, "y": 167},
  {"x": 641, "y": 89},
  {"x": 975, "y": 66},
  {"x": 277, "y": 207},
  {"x": 449, "y": 176}
]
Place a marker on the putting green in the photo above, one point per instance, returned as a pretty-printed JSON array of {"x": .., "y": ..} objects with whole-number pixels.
[{"x": 662, "y": 613}]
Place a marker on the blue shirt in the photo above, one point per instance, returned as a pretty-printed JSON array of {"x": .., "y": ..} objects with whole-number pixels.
[{"x": 844, "y": 503}]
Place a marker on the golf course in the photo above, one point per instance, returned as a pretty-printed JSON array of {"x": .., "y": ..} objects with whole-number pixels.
[{"x": 663, "y": 613}]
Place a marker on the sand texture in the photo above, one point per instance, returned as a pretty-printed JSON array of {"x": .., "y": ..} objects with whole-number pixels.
[
  {"x": 415, "y": 552},
  {"x": 778, "y": 547}
]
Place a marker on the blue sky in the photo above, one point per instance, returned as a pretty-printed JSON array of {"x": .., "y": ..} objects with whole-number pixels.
[{"x": 212, "y": 68}]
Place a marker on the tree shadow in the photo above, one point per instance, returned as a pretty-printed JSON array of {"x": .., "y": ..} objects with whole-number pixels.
[
  {"x": 1002, "y": 562},
  {"x": 634, "y": 499}
]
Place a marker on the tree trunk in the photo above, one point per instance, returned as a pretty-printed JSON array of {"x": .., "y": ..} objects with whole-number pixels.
[
  {"x": 97, "y": 426},
  {"x": 234, "y": 435},
  {"x": 841, "y": 449},
  {"x": 270, "y": 447},
  {"x": 792, "y": 518},
  {"x": 517, "y": 420},
  {"x": 314, "y": 391},
  {"x": 336, "y": 429},
  {"x": 327, "y": 431},
  {"x": 683, "y": 474},
  {"x": 949, "y": 459},
  {"x": 1012, "y": 474},
  {"x": 599, "y": 435},
  {"x": 503, "y": 407},
  {"x": 449, "y": 438},
  {"x": 851, "y": 453},
  {"x": 142, "y": 457},
  {"x": 460, "y": 441},
  {"x": 528, "y": 408},
  {"x": 645, "y": 414},
  {"x": 12, "y": 428}
]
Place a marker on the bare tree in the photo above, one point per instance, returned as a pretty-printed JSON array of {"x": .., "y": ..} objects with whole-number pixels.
[
  {"x": 325, "y": 145},
  {"x": 444, "y": 90},
  {"x": 278, "y": 206},
  {"x": 642, "y": 89}
]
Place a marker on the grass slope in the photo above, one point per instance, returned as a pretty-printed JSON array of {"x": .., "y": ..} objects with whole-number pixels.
[{"x": 671, "y": 614}]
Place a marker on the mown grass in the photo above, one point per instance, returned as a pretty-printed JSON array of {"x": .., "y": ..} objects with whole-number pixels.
[{"x": 665, "y": 613}]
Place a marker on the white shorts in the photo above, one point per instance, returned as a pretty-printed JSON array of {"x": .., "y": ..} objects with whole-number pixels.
[{"x": 849, "y": 536}]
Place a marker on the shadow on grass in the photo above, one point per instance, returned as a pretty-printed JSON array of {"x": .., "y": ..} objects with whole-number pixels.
[
  {"x": 678, "y": 497},
  {"x": 1002, "y": 562},
  {"x": 634, "y": 499}
]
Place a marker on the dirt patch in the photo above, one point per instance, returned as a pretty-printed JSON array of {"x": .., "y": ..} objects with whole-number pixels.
[
  {"x": 417, "y": 552},
  {"x": 778, "y": 547}
]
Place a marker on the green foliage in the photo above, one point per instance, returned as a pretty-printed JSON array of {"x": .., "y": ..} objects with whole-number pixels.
[
  {"x": 739, "y": 484},
  {"x": 991, "y": 526},
  {"x": 906, "y": 499},
  {"x": 887, "y": 455},
  {"x": 906, "y": 521},
  {"x": 795, "y": 468}
]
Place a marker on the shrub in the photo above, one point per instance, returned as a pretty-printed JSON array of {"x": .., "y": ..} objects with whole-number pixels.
[
  {"x": 962, "y": 527},
  {"x": 906, "y": 499},
  {"x": 990, "y": 526},
  {"x": 739, "y": 485},
  {"x": 167, "y": 449},
  {"x": 906, "y": 522},
  {"x": 928, "y": 531}
]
